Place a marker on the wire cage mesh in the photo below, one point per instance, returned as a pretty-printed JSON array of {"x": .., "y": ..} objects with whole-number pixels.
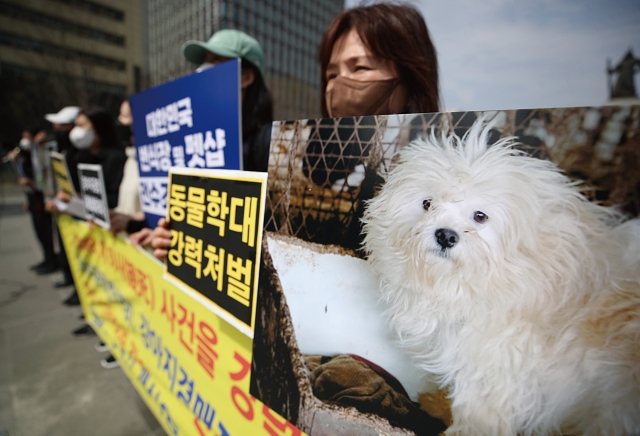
[{"x": 321, "y": 172}]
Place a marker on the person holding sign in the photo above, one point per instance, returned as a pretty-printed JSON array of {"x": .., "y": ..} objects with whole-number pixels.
[
  {"x": 95, "y": 140},
  {"x": 27, "y": 167},
  {"x": 257, "y": 107},
  {"x": 62, "y": 123},
  {"x": 362, "y": 73}
]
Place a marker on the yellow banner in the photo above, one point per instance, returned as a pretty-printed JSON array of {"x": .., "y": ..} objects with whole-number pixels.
[{"x": 190, "y": 366}]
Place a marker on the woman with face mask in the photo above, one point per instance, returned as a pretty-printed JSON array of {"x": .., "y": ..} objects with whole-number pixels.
[
  {"x": 375, "y": 60},
  {"x": 378, "y": 60},
  {"x": 95, "y": 142},
  {"x": 94, "y": 137}
]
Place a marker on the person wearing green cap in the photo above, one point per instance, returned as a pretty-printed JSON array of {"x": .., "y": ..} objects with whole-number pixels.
[{"x": 257, "y": 107}]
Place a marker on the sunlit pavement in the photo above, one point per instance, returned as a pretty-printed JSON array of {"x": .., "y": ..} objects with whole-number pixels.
[{"x": 51, "y": 383}]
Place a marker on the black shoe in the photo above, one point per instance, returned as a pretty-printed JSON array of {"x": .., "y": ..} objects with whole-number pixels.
[
  {"x": 62, "y": 283},
  {"x": 84, "y": 330},
  {"x": 47, "y": 269},
  {"x": 38, "y": 265},
  {"x": 72, "y": 300}
]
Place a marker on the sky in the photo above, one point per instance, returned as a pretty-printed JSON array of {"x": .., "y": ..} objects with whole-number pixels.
[{"x": 506, "y": 54}]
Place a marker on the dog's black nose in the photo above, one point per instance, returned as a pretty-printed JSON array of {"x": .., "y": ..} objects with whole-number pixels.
[{"x": 446, "y": 238}]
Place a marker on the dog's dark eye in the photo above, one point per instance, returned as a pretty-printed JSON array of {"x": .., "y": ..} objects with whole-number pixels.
[
  {"x": 480, "y": 217},
  {"x": 426, "y": 204}
]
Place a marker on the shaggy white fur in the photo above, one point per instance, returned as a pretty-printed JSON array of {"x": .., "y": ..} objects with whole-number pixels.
[{"x": 519, "y": 295}]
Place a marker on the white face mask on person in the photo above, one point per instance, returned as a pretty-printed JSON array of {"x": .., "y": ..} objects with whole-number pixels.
[
  {"x": 25, "y": 144},
  {"x": 81, "y": 138},
  {"x": 204, "y": 66}
]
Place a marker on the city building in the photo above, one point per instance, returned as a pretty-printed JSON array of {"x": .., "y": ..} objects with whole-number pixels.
[
  {"x": 289, "y": 32},
  {"x": 55, "y": 53}
]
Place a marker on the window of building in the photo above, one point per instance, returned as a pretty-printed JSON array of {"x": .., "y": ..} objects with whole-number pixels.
[
  {"x": 51, "y": 22},
  {"x": 29, "y": 44},
  {"x": 94, "y": 8}
]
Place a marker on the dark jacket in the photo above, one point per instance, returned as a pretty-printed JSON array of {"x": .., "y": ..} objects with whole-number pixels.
[{"x": 111, "y": 159}]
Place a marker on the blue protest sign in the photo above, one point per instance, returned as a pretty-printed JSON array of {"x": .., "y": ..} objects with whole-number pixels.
[{"x": 191, "y": 122}]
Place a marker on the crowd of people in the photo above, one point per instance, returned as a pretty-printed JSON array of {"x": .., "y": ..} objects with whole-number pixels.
[
  {"x": 363, "y": 72},
  {"x": 83, "y": 135}
]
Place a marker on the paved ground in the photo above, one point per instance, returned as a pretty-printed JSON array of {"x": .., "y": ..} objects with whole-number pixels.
[{"x": 51, "y": 383}]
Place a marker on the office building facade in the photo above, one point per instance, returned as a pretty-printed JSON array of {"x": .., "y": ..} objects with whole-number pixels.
[
  {"x": 55, "y": 53},
  {"x": 289, "y": 32}
]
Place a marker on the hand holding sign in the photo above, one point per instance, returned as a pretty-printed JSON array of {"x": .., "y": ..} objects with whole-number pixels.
[
  {"x": 142, "y": 238},
  {"x": 63, "y": 196},
  {"x": 67, "y": 199},
  {"x": 161, "y": 239},
  {"x": 59, "y": 205}
]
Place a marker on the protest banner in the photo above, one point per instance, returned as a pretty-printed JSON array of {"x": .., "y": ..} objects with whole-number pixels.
[
  {"x": 216, "y": 228},
  {"x": 190, "y": 366},
  {"x": 191, "y": 122},
  {"x": 94, "y": 194},
  {"x": 320, "y": 359}
]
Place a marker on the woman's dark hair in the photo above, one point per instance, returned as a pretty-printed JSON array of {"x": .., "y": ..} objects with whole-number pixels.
[
  {"x": 396, "y": 32},
  {"x": 257, "y": 106},
  {"x": 103, "y": 125}
]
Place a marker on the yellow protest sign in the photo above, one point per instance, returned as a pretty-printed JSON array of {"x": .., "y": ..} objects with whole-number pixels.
[
  {"x": 216, "y": 228},
  {"x": 190, "y": 366},
  {"x": 61, "y": 174}
]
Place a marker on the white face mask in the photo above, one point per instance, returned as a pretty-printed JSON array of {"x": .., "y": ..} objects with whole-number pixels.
[
  {"x": 204, "y": 66},
  {"x": 25, "y": 144},
  {"x": 81, "y": 138}
]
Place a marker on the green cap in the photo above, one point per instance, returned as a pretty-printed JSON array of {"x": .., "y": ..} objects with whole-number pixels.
[{"x": 228, "y": 43}]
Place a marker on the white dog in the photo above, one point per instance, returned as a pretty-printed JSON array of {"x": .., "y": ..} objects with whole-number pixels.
[{"x": 518, "y": 294}]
